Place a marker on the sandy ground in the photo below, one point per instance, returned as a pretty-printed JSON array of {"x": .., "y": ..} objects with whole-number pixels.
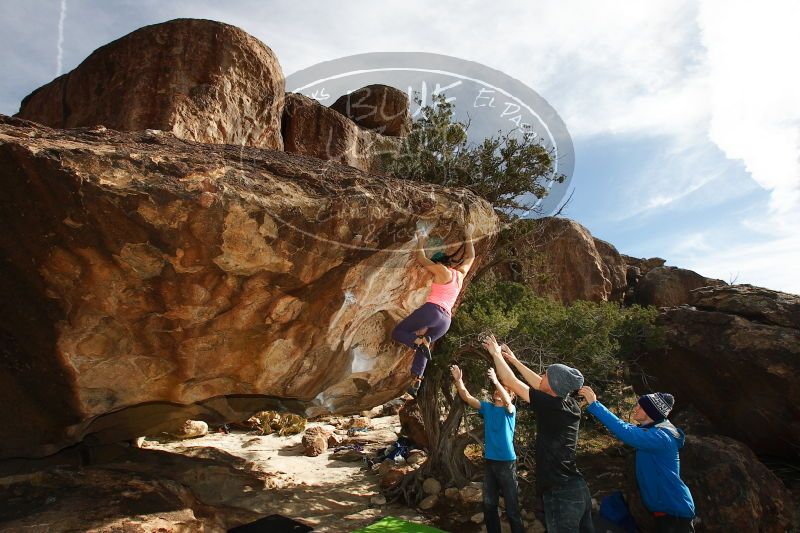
[{"x": 328, "y": 494}]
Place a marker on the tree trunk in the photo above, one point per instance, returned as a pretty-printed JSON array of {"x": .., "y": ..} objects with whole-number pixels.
[{"x": 446, "y": 460}]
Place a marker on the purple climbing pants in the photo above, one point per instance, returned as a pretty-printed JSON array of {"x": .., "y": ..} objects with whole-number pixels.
[{"x": 429, "y": 316}]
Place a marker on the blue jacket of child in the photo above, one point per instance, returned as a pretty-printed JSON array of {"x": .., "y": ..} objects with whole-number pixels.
[{"x": 657, "y": 462}]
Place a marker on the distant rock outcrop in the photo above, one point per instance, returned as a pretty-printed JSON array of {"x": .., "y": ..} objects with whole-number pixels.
[
  {"x": 665, "y": 286},
  {"x": 199, "y": 79},
  {"x": 735, "y": 355},
  {"x": 732, "y": 490},
  {"x": 147, "y": 280},
  {"x": 377, "y": 107}
]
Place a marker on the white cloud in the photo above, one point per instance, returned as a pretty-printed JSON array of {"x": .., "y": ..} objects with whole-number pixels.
[{"x": 755, "y": 83}]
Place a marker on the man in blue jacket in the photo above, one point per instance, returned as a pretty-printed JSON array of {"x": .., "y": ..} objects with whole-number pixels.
[{"x": 657, "y": 444}]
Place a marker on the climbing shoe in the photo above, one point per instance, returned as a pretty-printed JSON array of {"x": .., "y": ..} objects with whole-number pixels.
[
  {"x": 413, "y": 389},
  {"x": 425, "y": 350}
]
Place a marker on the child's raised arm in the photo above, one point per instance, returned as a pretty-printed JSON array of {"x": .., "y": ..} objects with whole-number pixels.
[{"x": 462, "y": 390}]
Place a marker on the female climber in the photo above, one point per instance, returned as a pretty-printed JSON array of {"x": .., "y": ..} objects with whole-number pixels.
[{"x": 432, "y": 320}]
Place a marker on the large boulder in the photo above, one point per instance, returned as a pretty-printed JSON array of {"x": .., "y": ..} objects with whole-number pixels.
[
  {"x": 377, "y": 107},
  {"x": 310, "y": 128},
  {"x": 147, "y": 279},
  {"x": 669, "y": 286},
  {"x": 575, "y": 265},
  {"x": 731, "y": 489},
  {"x": 199, "y": 79},
  {"x": 735, "y": 356}
]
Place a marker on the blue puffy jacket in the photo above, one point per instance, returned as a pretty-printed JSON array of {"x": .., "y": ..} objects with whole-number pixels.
[{"x": 658, "y": 469}]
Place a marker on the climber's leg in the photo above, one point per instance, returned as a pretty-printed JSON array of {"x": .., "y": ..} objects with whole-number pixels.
[
  {"x": 424, "y": 351},
  {"x": 406, "y": 330}
]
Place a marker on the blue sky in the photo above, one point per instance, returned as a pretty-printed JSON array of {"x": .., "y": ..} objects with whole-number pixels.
[{"x": 684, "y": 114}]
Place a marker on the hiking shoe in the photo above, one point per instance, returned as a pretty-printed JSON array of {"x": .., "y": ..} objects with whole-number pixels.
[{"x": 413, "y": 389}]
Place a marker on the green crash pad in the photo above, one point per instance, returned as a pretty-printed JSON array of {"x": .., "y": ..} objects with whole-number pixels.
[{"x": 391, "y": 524}]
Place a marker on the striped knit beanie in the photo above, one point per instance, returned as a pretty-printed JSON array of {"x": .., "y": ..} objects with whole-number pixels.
[{"x": 657, "y": 405}]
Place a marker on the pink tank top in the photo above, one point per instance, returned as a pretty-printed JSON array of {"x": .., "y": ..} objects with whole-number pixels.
[{"x": 444, "y": 294}]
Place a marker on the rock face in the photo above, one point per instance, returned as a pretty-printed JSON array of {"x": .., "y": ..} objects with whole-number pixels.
[
  {"x": 199, "y": 79},
  {"x": 412, "y": 426},
  {"x": 379, "y": 108},
  {"x": 315, "y": 440},
  {"x": 732, "y": 490},
  {"x": 736, "y": 358},
  {"x": 669, "y": 286},
  {"x": 576, "y": 265},
  {"x": 147, "y": 279},
  {"x": 310, "y": 128}
]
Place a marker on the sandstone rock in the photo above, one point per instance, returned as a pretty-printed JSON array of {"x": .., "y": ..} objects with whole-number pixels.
[
  {"x": 385, "y": 467},
  {"x": 472, "y": 493},
  {"x": 451, "y": 493},
  {"x": 431, "y": 486},
  {"x": 392, "y": 407},
  {"x": 738, "y": 370},
  {"x": 191, "y": 429},
  {"x": 412, "y": 425},
  {"x": 348, "y": 456},
  {"x": 564, "y": 262},
  {"x": 199, "y": 79},
  {"x": 309, "y": 128},
  {"x": 315, "y": 440},
  {"x": 379, "y": 499},
  {"x": 754, "y": 303},
  {"x": 93, "y": 499},
  {"x": 429, "y": 502},
  {"x": 394, "y": 476},
  {"x": 614, "y": 269},
  {"x": 359, "y": 422},
  {"x": 732, "y": 490},
  {"x": 334, "y": 440},
  {"x": 643, "y": 265},
  {"x": 536, "y": 527},
  {"x": 141, "y": 304},
  {"x": 380, "y": 108},
  {"x": 477, "y": 518},
  {"x": 670, "y": 286},
  {"x": 416, "y": 457}
]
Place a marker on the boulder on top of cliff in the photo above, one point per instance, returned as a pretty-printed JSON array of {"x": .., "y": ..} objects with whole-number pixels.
[
  {"x": 377, "y": 107},
  {"x": 310, "y": 128},
  {"x": 731, "y": 489},
  {"x": 199, "y": 79},
  {"x": 148, "y": 279},
  {"x": 667, "y": 286},
  {"x": 736, "y": 360},
  {"x": 644, "y": 265}
]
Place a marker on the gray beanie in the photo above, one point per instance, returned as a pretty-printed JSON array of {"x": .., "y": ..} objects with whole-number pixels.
[{"x": 564, "y": 379}]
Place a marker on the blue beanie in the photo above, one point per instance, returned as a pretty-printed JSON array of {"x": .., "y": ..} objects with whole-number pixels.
[
  {"x": 657, "y": 405},
  {"x": 564, "y": 379}
]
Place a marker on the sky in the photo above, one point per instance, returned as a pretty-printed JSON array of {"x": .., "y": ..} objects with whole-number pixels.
[{"x": 685, "y": 115}]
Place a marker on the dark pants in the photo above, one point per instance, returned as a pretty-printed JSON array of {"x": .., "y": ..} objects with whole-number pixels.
[
  {"x": 501, "y": 477},
  {"x": 429, "y": 316},
  {"x": 568, "y": 507},
  {"x": 674, "y": 524}
]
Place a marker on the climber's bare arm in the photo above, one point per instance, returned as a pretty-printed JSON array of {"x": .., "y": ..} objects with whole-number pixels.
[
  {"x": 439, "y": 271},
  {"x": 469, "y": 252}
]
